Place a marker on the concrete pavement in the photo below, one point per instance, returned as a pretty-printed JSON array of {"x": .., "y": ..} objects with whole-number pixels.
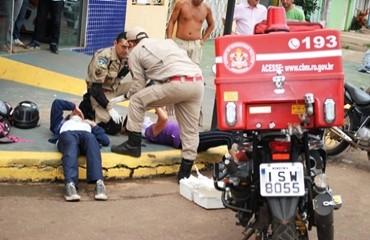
[
  {"x": 152, "y": 209},
  {"x": 40, "y": 76}
]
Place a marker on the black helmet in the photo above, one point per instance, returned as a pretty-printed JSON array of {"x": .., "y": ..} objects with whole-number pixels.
[
  {"x": 25, "y": 115},
  {"x": 5, "y": 109}
]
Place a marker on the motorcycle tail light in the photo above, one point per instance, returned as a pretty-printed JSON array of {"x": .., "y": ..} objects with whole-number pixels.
[
  {"x": 280, "y": 156},
  {"x": 279, "y": 146},
  {"x": 280, "y": 150},
  {"x": 231, "y": 114},
  {"x": 329, "y": 111}
]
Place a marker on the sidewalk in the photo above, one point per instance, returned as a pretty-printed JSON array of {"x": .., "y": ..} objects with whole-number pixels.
[
  {"x": 41, "y": 77},
  {"x": 358, "y": 41}
]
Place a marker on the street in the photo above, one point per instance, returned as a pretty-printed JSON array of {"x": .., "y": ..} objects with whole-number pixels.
[{"x": 154, "y": 209}]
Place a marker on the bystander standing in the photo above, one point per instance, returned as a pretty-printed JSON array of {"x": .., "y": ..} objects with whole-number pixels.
[
  {"x": 46, "y": 8},
  {"x": 189, "y": 16},
  {"x": 19, "y": 23},
  {"x": 292, "y": 12},
  {"x": 10, "y": 18},
  {"x": 247, "y": 15}
]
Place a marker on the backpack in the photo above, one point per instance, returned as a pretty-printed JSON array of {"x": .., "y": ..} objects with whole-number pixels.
[
  {"x": 5, "y": 123},
  {"x": 4, "y": 127}
]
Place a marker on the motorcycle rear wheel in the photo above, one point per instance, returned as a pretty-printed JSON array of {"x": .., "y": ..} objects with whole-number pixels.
[
  {"x": 284, "y": 231},
  {"x": 333, "y": 143}
]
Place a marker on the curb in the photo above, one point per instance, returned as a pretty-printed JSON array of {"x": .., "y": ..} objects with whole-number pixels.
[{"x": 47, "y": 166}]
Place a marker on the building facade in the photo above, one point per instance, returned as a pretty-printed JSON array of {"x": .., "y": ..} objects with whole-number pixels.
[{"x": 88, "y": 25}]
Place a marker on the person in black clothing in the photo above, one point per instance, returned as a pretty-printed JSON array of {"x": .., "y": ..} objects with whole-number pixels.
[{"x": 44, "y": 8}]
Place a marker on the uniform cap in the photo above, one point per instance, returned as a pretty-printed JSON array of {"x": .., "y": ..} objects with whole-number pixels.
[{"x": 136, "y": 33}]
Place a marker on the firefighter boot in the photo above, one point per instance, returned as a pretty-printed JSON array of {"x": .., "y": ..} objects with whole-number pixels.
[
  {"x": 185, "y": 169},
  {"x": 131, "y": 147}
]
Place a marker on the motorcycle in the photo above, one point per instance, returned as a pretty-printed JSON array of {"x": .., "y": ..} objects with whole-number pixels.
[
  {"x": 355, "y": 132},
  {"x": 270, "y": 96},
  {"x": 275, "y": 182}
]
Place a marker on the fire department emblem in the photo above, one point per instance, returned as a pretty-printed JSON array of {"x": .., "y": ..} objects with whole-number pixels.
[{"x": 239, "y": 57}]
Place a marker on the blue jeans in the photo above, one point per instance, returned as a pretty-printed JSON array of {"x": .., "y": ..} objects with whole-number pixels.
[{"x": 20, "y": 19}]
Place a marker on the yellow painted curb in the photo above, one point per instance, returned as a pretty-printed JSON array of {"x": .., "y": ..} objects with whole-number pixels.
[
  {"x": 45, "y": 166},
  {"x": 38, "y": 77}
]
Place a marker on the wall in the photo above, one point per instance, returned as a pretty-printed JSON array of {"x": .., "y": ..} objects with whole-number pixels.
[
  {"x": 152, "y": 18},
  {"x": 337, "y": 15},
  {"x": 351, "y": 12},
  {"x": 105, "y": 19}
]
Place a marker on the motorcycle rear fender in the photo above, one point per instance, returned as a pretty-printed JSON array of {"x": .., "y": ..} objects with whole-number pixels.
[
  {"x": 283, "y": 208},
  {"x": 347, "y": 98}
]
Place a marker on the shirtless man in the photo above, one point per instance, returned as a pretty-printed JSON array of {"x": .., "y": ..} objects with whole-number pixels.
[{"x": 190, "y": 15}]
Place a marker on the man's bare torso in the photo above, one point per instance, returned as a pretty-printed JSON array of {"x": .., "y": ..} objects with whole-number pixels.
[{"x": 190, "y": 20}]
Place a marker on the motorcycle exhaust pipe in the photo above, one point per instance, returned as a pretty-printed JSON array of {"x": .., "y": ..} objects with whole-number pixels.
[
  {"x": 343, "y": 135},
  {"x": 324, "y": 216},
  {"x": 323, "y": 206}
]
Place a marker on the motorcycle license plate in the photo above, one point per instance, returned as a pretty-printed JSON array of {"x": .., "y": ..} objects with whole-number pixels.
[{"x": 282, "y": 179}]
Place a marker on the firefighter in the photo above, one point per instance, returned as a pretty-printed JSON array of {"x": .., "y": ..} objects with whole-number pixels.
[{"x": 178, "y": 82}]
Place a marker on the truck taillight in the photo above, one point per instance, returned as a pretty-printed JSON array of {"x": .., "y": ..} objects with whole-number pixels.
[
  {"x": 280, "y": 150},
  {"x": 231, "y": 114},
  {"x": 329, "y": 111}
]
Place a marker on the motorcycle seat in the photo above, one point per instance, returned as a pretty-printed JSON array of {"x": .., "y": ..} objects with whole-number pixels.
[{"x": 359, "y": 96}]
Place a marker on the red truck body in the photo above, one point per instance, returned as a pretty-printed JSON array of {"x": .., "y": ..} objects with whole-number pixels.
[{"x": 265, "y": 78}]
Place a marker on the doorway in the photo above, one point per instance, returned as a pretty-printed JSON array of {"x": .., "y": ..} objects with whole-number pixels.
[{"x": 72, "y": 35}]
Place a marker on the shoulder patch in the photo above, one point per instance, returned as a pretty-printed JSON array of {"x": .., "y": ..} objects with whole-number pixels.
[{"x": 102, "y": 62}]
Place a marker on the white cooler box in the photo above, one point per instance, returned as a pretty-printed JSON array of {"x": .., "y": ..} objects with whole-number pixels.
[{"x": 201, "y": 191}]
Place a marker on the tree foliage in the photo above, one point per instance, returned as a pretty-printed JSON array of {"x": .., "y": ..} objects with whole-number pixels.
[{"x": 309, "y": 6}]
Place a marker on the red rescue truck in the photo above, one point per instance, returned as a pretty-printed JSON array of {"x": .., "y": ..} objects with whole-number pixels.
[{"x": 277, "y": 91}]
